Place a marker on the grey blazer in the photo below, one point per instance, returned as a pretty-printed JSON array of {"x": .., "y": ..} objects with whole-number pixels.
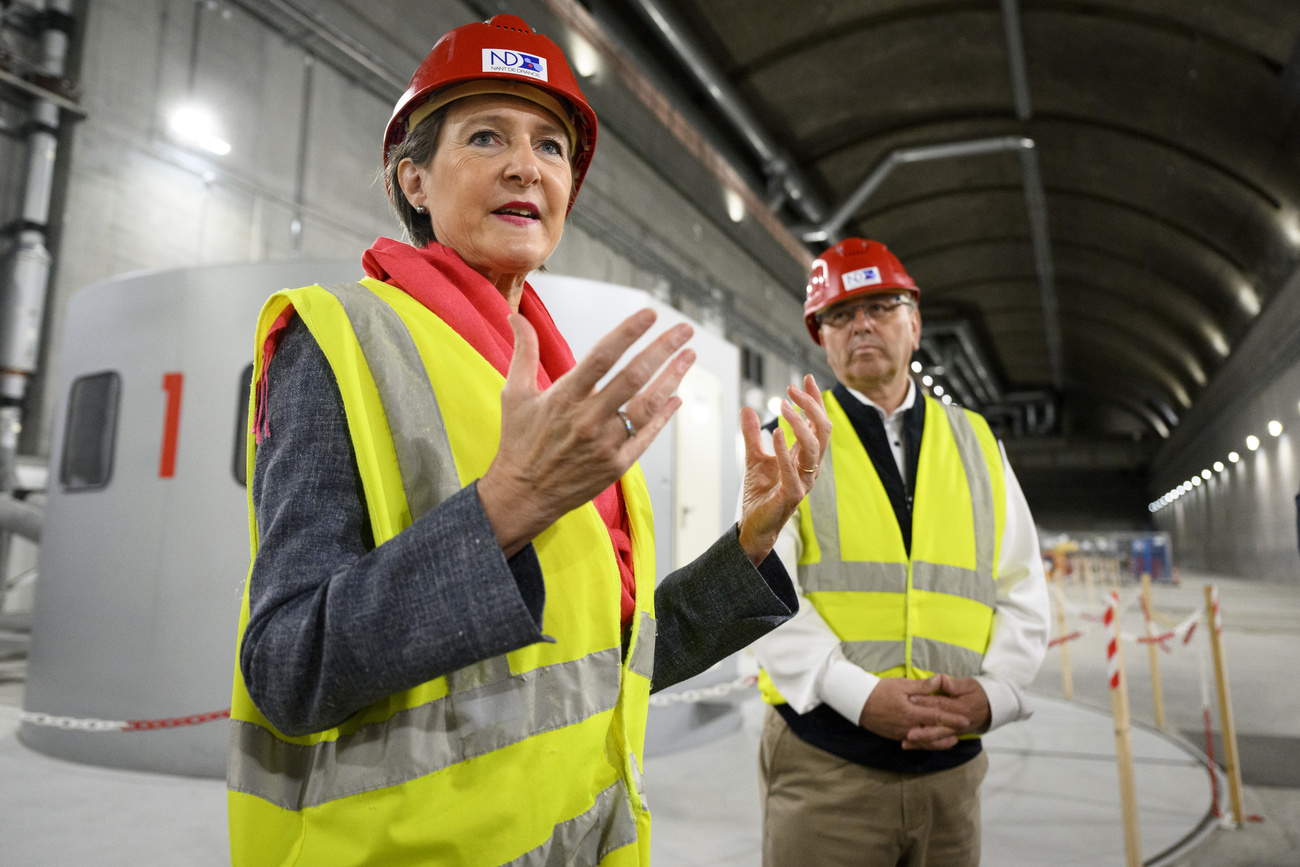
[{"x": 336, "y": 623}]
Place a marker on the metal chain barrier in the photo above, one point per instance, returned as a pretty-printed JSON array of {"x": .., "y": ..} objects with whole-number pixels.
[
  {"x": 705, "y": 693},
  {"x": 70, "y": 723}
]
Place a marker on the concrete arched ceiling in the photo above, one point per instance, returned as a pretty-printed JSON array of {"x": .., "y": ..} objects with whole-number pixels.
[{"x": 1166, "y": 134}]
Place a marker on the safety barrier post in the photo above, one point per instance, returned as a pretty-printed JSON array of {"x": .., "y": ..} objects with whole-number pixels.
[
  {"x": 1123, "y": 735},
  {"x": 1157, "y": 695},
  {"x": 1230, "y": 763},
  {"x": 1067, "y": 681}
]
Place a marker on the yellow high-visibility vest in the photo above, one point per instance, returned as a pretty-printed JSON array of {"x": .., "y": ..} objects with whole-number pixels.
[
  {"x": 534, "y": 756},
  {"x": 895, "y": 615}
]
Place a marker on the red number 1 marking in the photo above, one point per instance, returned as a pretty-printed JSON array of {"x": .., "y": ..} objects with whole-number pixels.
[{"x": 172, "y": 384}]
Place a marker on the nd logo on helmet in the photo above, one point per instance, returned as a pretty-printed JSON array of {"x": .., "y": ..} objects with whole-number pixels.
[{"x": 514, "y": 62}]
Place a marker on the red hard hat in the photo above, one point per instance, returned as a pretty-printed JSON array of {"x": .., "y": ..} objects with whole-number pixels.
[
  {"x": 852, "y": 267},
  {"x": 506, "y": 49}
]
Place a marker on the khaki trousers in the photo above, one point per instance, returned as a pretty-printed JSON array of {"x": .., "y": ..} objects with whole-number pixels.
[{"x": 821, "y": 810}]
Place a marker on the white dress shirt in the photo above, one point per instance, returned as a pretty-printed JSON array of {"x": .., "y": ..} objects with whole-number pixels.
[{"x": 804, "y": 659}]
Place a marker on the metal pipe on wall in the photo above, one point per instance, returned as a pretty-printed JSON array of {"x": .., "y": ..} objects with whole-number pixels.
[
  {"x": 26, "y": 285},
  {"x": 775, "y": 164},
  {"x": 828, "y": 230}
]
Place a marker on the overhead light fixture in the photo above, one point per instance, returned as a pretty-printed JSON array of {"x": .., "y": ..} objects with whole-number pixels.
[
  {"x": 927, "y": 380},
  {"x": 196, "y": 126},
  {"x": 1252, "y": 442},
  {"x": 916, "y": 367},
  {"x": 586, "y": 59},
  {"x": 1196, "y": 480},
  {"x": 1205, "y": 474},
  {"x": 938, "y": 391},
  {"x": 735, "y": 205},
  {"x": 1234, "y": 457},
  {"x": 1218, "y": 466},
  {"x": 1290, "y": 222},
  {"x": 774, "y": 406},
  {"x": 1249, "y": 299},
  {"x": 1275, "y": 428},
  {"x": 947, "y": 399}
]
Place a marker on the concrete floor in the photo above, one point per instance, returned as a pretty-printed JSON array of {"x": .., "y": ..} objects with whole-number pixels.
[{"x": 1050, "y": 796}]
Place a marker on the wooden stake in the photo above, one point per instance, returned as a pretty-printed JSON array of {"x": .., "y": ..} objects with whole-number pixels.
[
  {"x": 1123, "y": 736},
  {"x": 1230, "y": 764},
  {"x": 1148, "y": 611},
  {"x": 1067, "y": 681},
  {"x": 1092, "y": 588}
]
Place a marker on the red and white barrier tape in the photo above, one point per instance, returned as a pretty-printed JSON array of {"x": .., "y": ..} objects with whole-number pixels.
[
  {"x": 1183, "y": 631},
  {"x": 111, "y": 725},
  {"x": 1089, "y": 617}
]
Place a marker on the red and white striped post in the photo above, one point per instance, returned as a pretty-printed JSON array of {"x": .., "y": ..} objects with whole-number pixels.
[
  {"x": 1231, "y": 766},
  {"x": 1123, "y": 735}
]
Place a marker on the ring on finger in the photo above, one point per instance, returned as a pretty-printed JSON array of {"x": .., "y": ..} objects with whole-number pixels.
[
  {"x": 627, "y": 424},
  {"x": 812, "y": 471}
]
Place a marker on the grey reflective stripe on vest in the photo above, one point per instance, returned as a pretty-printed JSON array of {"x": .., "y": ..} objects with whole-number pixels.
[
  {"x": 421, "y": 740},
  {"x": 931, "y": 655},
  {"x": 831, "y": 574},
  {"x": 410, "y": 405},
  {"x": 643, "y": 655},
  {"x": 874, "y": 655},
  {"x": 955, "y": 581},
  {"x": 981, "y": 488},
  {"x": 588, "y": 837}
]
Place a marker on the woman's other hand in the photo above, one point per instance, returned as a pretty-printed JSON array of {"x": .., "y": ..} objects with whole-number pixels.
[
  {"x": 563, "y": 446},
  {"x": 775, "y": 484}
]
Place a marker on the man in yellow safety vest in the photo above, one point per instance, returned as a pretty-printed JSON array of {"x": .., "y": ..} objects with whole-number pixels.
[{"x": 927, "y": 612}]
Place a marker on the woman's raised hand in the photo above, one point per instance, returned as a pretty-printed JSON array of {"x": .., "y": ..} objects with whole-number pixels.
[
  {"x": 563, "y": 446},
  {"x": 775, "y": 484}
]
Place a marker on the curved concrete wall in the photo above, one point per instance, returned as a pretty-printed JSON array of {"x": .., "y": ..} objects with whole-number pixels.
[{"x": 1241, "y": 521}]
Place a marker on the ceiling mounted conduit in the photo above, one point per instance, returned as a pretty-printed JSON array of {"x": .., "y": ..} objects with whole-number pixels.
[{"x": 784, "y": 179}]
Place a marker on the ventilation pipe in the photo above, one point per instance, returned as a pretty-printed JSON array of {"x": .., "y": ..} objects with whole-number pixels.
[
  {"x": 784, "y": 178},
  {"x": 22, "y": 306}
]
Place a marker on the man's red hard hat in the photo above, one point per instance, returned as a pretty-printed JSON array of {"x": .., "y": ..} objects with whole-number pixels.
[
  {"x": 852, "y": 267},
  {"x": 507, "y": 50}
]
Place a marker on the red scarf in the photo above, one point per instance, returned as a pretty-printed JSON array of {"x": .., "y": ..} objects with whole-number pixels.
[{"x": 461, "y": 297}]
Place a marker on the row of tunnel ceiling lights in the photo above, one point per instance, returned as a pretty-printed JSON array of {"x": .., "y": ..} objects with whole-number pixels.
[
  {"x": 774, "y": 404},
  {"x": 1252, "y": 443},
  {"x": 929, "y": 382}
]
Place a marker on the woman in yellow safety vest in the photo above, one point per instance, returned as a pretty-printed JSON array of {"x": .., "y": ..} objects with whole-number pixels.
[{"x": 449, "y": 634}]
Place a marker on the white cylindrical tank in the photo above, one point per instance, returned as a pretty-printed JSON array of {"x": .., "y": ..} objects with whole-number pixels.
[{"x": 145, "y": 547}]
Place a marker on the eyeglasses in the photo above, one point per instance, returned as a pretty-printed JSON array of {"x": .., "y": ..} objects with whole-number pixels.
[{"x": 878, "y": 308}]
